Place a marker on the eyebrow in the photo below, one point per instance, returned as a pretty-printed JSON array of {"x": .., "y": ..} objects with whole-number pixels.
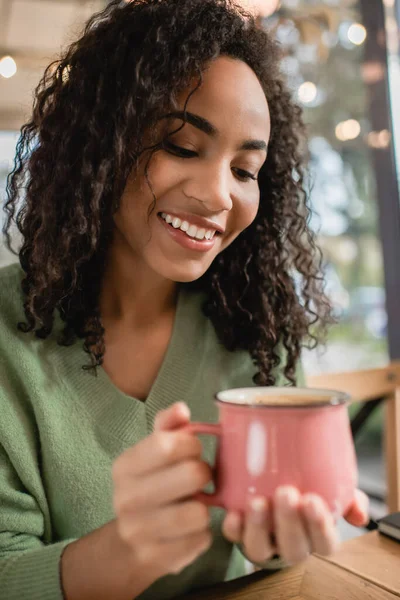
[{"x": 203, "y": 125}]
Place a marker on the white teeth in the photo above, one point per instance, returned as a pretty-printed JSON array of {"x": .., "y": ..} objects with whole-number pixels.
[
  {"x": 192, "y": 231},
  {"x": 185, "y": 226}
]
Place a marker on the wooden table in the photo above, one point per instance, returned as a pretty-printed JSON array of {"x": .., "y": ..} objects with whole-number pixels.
[{"x": 365, "y": 568}]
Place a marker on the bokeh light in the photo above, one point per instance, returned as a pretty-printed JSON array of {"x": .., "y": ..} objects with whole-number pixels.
[{"x": 8, "y": 67}]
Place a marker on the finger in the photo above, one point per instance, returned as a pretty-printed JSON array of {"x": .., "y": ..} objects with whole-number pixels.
[
  {"x": 358, "y": 514},
  {"x": 320, "y": 525},
  {"x": 256, "y": 538},
  {"x": 157, "y": 451},
  {"x": 169, "y": 485},
  {"x": 183, "y": 552},
  {"x": 173, "y": 556},
  {"x": 291, "y": 536},
  {"x": 232, "y": 527},
  {"x": 167, "y": 523},
  {"x": 172, "y": 418}
]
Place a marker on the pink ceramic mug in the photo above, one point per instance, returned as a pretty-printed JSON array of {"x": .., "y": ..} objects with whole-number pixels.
[{"x": 269, "y": 437}]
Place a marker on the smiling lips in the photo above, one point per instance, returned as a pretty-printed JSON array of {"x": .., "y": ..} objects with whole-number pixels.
[{"x": 192, "y": 231}]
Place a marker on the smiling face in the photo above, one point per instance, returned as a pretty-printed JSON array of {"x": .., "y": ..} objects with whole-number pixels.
[{"x": 204, "y": 180}]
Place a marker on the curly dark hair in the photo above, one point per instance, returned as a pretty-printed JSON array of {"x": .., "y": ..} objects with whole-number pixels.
[{"x": 91, "y": 112}]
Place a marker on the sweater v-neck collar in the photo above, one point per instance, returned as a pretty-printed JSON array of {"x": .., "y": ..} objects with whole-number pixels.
[{"x": 117, "y": 411}]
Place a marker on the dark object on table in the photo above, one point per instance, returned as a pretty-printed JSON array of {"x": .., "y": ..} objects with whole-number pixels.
[{"x": 390, "y": 526}]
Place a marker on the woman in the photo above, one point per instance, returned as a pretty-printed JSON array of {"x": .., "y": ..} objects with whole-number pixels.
[{"x": 158, "y": 191}]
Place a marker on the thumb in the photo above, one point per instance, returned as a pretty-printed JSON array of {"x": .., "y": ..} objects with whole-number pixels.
[
  {"x": 357, "y": 514},
  {"x": 174, "y": 417}
]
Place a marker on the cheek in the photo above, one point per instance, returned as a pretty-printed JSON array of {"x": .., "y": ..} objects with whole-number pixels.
[
  {"x": 131, "y": 218},
  {"x": 247, "y": 211},
  {"x": 145, "y": 183},
  {"x": 242, "y": 216},
  {"x": 142, "y": 189},
  {"x": 163, "y": 173},
  {"x": 133, "y": 203}
]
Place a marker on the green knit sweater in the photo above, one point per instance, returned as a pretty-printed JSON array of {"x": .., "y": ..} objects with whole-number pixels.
[{"x": 61, "y": 428}]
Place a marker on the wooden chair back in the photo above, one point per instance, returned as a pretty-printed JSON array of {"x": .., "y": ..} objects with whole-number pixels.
[{"x": 365, "y": 386}]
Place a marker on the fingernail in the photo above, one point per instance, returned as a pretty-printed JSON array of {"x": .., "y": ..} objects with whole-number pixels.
[
  {"x": 315, "y": 509},
  {"x": 288, "y": 498},
  {"x": 311, "y": 510},
  {"x": 183, "y": 409},
  {"x": 235, "y": 520},
  {"x": 258, "y": 506}
]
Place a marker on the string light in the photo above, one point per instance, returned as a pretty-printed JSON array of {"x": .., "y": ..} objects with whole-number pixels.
[
  {"x": 348, "y": 130},
  {"x": 264, "y": 8},
  {"x": 307, "y": 92},
  {"x": 379, "y": 139},
  {"x": 8, "y": 67},
  {"x": 357, "y": 34}
]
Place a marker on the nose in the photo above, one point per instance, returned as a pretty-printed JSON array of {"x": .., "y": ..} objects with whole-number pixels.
[{"x": 211, "y": 185}]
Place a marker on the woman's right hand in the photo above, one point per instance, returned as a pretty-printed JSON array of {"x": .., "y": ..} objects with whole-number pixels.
[{"x": 163, "y": 527}]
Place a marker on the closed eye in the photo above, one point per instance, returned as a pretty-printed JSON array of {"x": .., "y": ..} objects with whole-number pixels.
[
  {"x": 178, "y": 150},
  {"x": 185, "y": 153},
  {"x": 244, "y": 175}
]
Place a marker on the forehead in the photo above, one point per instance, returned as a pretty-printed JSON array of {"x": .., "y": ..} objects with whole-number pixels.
[{"x": 232, "y": 99}]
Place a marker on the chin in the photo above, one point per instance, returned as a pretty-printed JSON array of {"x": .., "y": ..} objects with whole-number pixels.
[
  {"x": 183, "y": 273},
  {"x": 187, "y": 279},
  {"x": 180, "y": 276}
]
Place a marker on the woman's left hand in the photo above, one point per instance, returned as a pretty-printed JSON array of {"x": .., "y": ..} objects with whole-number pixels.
[{"x": 302, "y": 524}]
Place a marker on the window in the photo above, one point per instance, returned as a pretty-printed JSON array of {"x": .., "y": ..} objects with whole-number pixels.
[
  {"x": 324, "y": 63},
  {"x": 331, "y": 74},
  {"x": 8, "y": 141}
]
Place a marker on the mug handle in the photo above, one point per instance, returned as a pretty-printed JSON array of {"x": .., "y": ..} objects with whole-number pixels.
[{"x": 208, "y": 429}]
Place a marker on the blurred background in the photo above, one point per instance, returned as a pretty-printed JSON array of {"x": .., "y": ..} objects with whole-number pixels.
[{"x": 342, "y": 61}]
